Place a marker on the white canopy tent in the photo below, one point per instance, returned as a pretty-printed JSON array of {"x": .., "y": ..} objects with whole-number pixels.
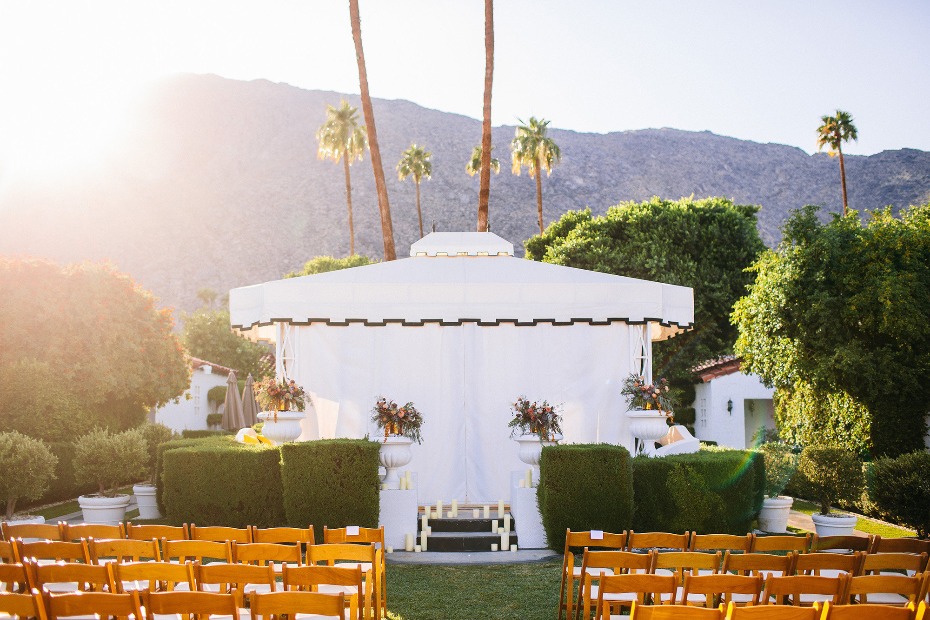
[{"x": 462, "y": 329}]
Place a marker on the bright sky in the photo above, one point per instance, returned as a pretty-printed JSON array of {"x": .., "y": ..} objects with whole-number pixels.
[{"x": 764, "y": 70}]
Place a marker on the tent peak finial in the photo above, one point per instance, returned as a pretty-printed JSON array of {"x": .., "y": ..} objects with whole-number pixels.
[{"x": 461, "y": 244}]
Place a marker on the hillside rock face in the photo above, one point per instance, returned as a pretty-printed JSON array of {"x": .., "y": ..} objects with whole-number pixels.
[{"x": 219, "y": 185}]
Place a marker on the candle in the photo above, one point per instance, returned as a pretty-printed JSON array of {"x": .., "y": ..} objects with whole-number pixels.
[
  {"x": 429, "y": 531},
  {"x": 493, "y": 547},
  {"x": 529, "y": 478},
  {"x": 505, "y": 540},
  {"x": 475, "y": 513},
  {"x": 384, "y": 487},
  {"x": 423, "y": 536},
  {"x": 522, "y": 483},
  {"x": 389, "y": 549},
  {"x": 500, "y": 530},
  {"x": 435, "y": 515},
  {"x": 417, "y": 549},
  {"x": 507, "y": 522},
  {"x": 494, "y": 526},
  {"x": 455, "y": 508},
  {"x": 409, "y": 478},
  {"x": 424, "y": 522},
  {"x": 487, "y": 511},
  {"x": 408, "y": 542},
  {"x": 439, "y": 507},
  {"x": 513, "y": 547},
  {"x": 403, "y": 484},
  {"x": 500, "y": 508},
  {"x": 450, "y": 514}
]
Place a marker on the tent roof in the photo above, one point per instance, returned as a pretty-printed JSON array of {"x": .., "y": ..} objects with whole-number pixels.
[{"x": 454, "y": 283}]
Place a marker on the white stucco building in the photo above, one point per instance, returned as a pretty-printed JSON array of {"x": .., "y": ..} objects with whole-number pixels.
[
  {"x": 190, "y": 410},
  {"x": 730, "y": 407}
]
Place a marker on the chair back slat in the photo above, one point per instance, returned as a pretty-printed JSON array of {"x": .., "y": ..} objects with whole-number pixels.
[
  {"x": 69, "y": 577},
  {"x": 221, "y": 533},
  {"x": 720, "y": 542},
  {"x": 23, "y": 605},
  {"x": 196, "y": 550},
  {"x": 93, "y": 603},
  {"x": 122, "y": 550},
  {"x": 772, "y": 612},
  {"x": 789, "y": 590},
  {"x": 674, "y": 612},
  {"x": 14, "y": 577},
  {"x": 30, "y": 531},
  {"x": 157, "y": 532},
  {"x": 779, "y": 542},
  {"x": 718, "y": 589},
  {"x": 78, "y": 531},
  {"x": 154, "y": 576},
  {"x": 191, "y": 604},
  {"x": 294, "y": 603},
  {"x": 658, "y": 540},
  {"x": 55, "y": 550}
]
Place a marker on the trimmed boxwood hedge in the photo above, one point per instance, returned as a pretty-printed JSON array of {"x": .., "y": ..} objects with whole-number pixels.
[
  {"x": 218, "y": 481},
  {"x": 584, "y": 487},
  {"x": 900, "y": 489},
  {"x": 331, "y": 482},
  {"x": 714, "y": 490}
]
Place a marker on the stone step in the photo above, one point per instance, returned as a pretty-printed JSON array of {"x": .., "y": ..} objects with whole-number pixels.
[
  {"x": 465, "y": 541},
  {"x": 464, "y": 524}
]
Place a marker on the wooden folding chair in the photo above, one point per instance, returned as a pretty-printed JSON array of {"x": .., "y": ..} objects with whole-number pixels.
[
  {"x": 273, "y": 554},
  {"x": 221, "y": 533},
  {"x": 122, "y": 550},
  {"x": 892, "y": 590},
  {"x": 571, "y": 573},
  {"x": 894, "y": 563},
  {"x": 789, "y": 590},
  {"x": 757, "y": 564},
  {"x": 778, "y": 542},
  {"x": 71, "y": 577},
  {"x": 614, "y": 592},
  {"x": 367, "y": 536},
  {"x": 841, "y": 544},
  {"x": 154, "y": 576},
  {"x": 328, "y": 580},
  {"x": 598, "y": 564},
  {"x": 203, "y": 551},
  {"x": 294, "y": 603},
  {"x": 31, "y": 531},
  {"x": 200, "y": 604},
  {"x": 8, "y": 552},
  {"x": 658, "y": 540},
  {"x": 157, "y": 532},
  {"x": 772, "y": 612},
  {"x": 302, "y": 535},
  {"x": 91, "y": 530},
  {"x": 721, "y": 542},
  {"x": 367, "y": 557},
  {"x": 93, "y": 603},
  {"x": 719, "y": 589},
  {"x": 14, "y": 577},
  {"x": 826, "y": 565},
  {"x": 46, "y": 551},
  {"x": 683, "y": 563},
  {"x": 900, "y": 545},
  {"x": 674, "y": 612},
  {"x": 22, "y": 605},
  {"x": 240, "y": 580},
  {"x": 867, "y": 612}
]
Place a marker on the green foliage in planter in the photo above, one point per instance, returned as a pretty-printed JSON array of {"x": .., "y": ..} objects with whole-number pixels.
[
  {"x": 63, "y": 486},
  {"x": 155, "y": 435},
  {"x": 714, "y": 490},
  {"x": 27, "y": 465},
  {"x": 110, "y": 459},
  {"x": 584, "y": 487},
  {"x": 217, "y": 395},
  {"x": 331, "y": 482},
  {"x": 222, "y": 482},
  {"x": 900, "y": 489},
  {"x": 830, "y": 474},
  {"x": 780, "y": 464},
  {"x": 214, "y": 419}
]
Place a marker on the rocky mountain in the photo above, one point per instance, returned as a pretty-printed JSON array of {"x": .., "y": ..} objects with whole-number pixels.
[{"x": 219, "y": 185}]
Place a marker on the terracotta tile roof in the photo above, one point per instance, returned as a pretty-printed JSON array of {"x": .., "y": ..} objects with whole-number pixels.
[
  {"x": 196, "y": 363},
  {"x": 719, "y": 367}
]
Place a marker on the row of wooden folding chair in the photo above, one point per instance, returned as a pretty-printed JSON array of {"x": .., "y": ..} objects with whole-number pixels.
[{"x": 828, "y": 612}]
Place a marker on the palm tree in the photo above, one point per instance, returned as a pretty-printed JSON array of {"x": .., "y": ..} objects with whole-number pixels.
[
  {"x": 473, "y": 166},
  {"x": 484, "y": 190},
  {"x": 532, "y": 148},
  {"x": 415, "y": 162},
  {"x": 342, "y": 138},
  {"x": 384, "y": 206},
  {"x": 833, "y": 131}
]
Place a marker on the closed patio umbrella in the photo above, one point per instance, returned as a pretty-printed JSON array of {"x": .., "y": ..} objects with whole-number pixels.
[
  {"x": 232, "y": 409},
  {"x": 250, "y": 406}
]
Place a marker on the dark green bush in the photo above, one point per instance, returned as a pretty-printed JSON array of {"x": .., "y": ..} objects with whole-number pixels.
[
  {"x": 331, "y": 482},
  {"x": 222, "y": 482},
  {"x": 584, "y": 487},
  {"x": 900, "y": 489},
  {"x": 711, "y": 491},
  {"x": 63, "y": 486},
  {"x": 159, "y": 464},
  {"x": 830, "y": 474},
  {"x": 214, "y": 419}
]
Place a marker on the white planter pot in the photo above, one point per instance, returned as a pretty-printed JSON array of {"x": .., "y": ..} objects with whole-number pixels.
[
  {"x": 26, "y": 519},
  {"x": 834, "y": 524},
  {"x": 283, "y": 429},
  {"x": 108, "y": 510},
  {"x": 649, "y": 426},
  {"x": 145, "y": 498},
  {"x": 531, "y": 450},
  {"x": 394, "y": 454},
  {"x": 774, "y": 514}
]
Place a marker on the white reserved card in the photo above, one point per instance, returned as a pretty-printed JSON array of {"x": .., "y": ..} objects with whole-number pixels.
[
  {"x": 352, "y": 530},
  {"x": 597, "y": 534}
]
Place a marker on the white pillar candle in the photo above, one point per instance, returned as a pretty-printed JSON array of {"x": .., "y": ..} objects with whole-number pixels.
[
  {"x": 389, "y": 549},
  {"x": 409, "y": 478},
  {"x": 522, "y": 483},
  {"x": 417, "y": 549},
  {"x": 475, "y": 513},
  {"x": 439, "y": 507},
  {"x": 423, "y": 536},
  {"x": 529, "y": 478},
  {"x": 450, "y": 514},
  {"x": 507, "y": 522},
  {"x": 493, "y": 547},
  {"x": 505, "y": 540},
  {"x": 403, "y": 484},
  {"x": 408, "y": 542},
  {"x": 487, "y": 511},
  {"x": 429, "y": 531},
  {"x": 494, "y": 526},
  {"x": 435, "y": 515},
  {"x": 455, "y": 508},
  {"x": 513, "y": 547},
  {"x": 500, "y": 509},
  {"x": 424, "y": 522}
]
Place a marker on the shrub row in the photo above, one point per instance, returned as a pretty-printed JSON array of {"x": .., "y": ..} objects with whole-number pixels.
[
  {"x": 63, "y": 486},
  {"x": 899, "y": 488}
]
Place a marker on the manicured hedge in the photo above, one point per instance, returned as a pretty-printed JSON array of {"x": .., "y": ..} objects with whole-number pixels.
[
  {"x": 712, "y": 491},
  {"x": 63, "y": 486},
  {"x": 584, "y": 487},
  {"x": 331, "y": 482},
  {"x": 900, "y": 490},
  {"x": 222, "y": 482},
  {"x": 200, "y": 434}
]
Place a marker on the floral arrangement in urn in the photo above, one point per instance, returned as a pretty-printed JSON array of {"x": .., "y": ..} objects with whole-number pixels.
[
  {"x": 649, "y": 396},
  {"x": 400, "y": 421},
  {"x": 279, "y": 395},
  {"x": 535, "y": 418}
]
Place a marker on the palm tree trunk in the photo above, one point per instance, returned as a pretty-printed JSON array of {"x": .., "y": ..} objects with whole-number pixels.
[
  {"x": 843, "y": 179},
  {"x": 536, "y": 167},
  {"x": 484, "y": 191},
  {"x": 387, "y": 228},
  {"x": 345, "y": 166},
  {"x": 419, "y": 213}
]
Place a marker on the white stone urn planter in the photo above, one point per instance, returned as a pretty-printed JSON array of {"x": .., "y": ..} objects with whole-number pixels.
[
  {"x": 834, "y": 524},
  {"x": 26, "y": 519},
  {"x": 394, "y": 454},
  {"x": 281, "y": 426},
  {"x": 145, "y": 498},
  {"x": 649, "y": 426},
  {"x": 531, "y": 449},
  {"x": 100, "y": 509},
  {"x": 774, "y": 514}
]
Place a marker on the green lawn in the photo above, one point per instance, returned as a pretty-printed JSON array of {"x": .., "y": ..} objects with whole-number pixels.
[
  {"x": 54, "y": 511},
  {"x": 865, "y": 524}
]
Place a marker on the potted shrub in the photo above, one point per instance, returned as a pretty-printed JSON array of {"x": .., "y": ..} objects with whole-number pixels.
[
  {"x": 831, "y": 474},
  {"x": 155, "y": 435},
  {"x": 534, "y": 425},
  {"x": 401, "y": 426},
  {"x": 650, "y": 409},
  {"x": 780, "y": 464},
  {"x": 28, "y": 466},
  {"x": 284, "y": 402},
  {"x": 109, "y": 460}
]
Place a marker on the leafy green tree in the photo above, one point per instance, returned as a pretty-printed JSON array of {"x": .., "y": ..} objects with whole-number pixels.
[
  {"x": 342, "y": 139},
  {"x": 473, "y": 166},
  {"x": 531, "y": 147},
  {"x": 81, "y": 346},
  {"x": 28, "y": 465},
  {"x": 322, "y": 264},
  {"x": 833, "y": 132},
  {"x": 207, "y": 335},
  {"x": 704, "y": 244},
  {"x": 415, "y": 162},
  {"x": 207, "y": 297},
  {"x": 110, "y": 459},
  {"x": 843, "y": 307}
]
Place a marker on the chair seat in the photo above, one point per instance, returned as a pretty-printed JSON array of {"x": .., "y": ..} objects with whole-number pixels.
[
  {"x": 59, "y": 587},
  {"x": 809, "y": 599},
  {"x": 622, "y": 597},
  {"x": 886, "y": 598},
  {"x": 333, "y": 589}
]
